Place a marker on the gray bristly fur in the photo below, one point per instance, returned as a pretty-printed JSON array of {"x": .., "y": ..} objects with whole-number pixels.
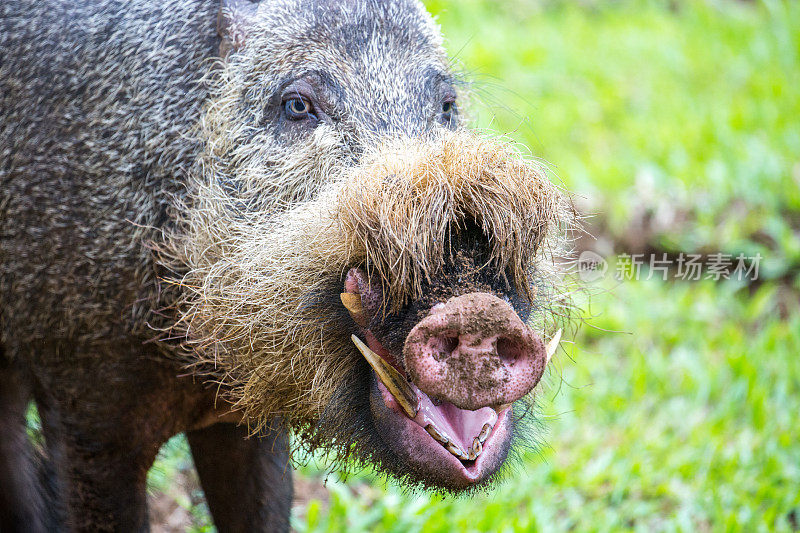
[
  {"x": 97, "y": 101},
  {"x": 249, "y": 230}
]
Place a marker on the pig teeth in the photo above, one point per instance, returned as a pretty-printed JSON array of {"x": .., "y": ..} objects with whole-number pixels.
[
  {"x": 436, "y": 434},
  {"x": 407, "y": 399},
  {"x": 391, "y": 378},
  {"x": 552, "y": 345},
  {"x": 453, "y": 448},
  {"x": 476, "y": 449},
  {"x": 352, "y": 302},
  {"x": 477, "y": 445},
  {"x": 471, "y": 454},
  {"x": 484, "y": 434}
]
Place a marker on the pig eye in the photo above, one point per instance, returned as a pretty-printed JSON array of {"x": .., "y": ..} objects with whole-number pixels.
[
  {"x": 298, "y": 108},
  {"x": 448, "y": 110}
]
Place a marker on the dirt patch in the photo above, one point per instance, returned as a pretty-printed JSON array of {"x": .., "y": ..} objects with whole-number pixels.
[
  {"x": 496, "y": 360},
  {"x": 307, "y": 489},
  {"x": 181, "y": 505}
]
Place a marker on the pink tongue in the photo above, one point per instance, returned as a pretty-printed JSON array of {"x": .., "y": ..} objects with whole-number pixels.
[{"x": 459, "y": 425}]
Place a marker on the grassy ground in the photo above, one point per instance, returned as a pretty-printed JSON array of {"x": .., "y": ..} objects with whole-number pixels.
[
  {"x": 675, "y": 410},
  {"x": 684, "y": 117}
]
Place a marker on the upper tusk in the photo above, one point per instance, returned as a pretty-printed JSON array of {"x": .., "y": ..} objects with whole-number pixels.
[
  {"x": 391, "y": 378},
  {"x": 552, "y": 346},
  {"x": 352, "y": 302}
]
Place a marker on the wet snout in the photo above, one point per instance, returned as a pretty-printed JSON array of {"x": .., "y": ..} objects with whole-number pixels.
[{"x": 474, "y": 351}]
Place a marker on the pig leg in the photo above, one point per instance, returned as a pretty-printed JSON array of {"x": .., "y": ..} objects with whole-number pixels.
[
  {"x": 103, "y": 483},
  {"x": 247, "y": 481},
  {"x": 104, "y": 418},
  {"x": 20, "y": 498}
]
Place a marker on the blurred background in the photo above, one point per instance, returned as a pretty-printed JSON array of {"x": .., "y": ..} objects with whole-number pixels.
[{"x": 677, "y": 125}]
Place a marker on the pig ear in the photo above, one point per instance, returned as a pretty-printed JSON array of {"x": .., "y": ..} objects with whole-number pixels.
[{"x": 233, "y": 22}]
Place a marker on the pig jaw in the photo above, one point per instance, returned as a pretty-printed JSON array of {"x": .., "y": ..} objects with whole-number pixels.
[
  {"x": 430, "y": 462},
  {"x": 456, "y": 436}
]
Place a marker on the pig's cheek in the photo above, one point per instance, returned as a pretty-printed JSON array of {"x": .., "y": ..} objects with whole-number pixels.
[
  {"x": 387, "y": 422},
  {"x": 382, "y": 416}
]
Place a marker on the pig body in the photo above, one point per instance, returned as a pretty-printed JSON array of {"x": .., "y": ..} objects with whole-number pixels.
[{"x": 201, "y": 202}]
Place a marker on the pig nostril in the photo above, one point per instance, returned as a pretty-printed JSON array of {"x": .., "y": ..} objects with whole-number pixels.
[
  {"x": 450, "y": 343},
  {"x": 476, "y": 352},
  {"x": 508, "y": 350},
  {"x": 443, "y": 346}
]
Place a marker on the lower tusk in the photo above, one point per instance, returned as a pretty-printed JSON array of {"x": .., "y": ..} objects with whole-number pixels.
[
  {"x": 391, "y": 378},
  {"x": 552, "y": 346}
]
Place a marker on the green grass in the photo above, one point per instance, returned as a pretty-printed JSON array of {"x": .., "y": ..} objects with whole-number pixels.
[
  {"x": 643, "y": 108},
  {"x": 676, "y": 409}
]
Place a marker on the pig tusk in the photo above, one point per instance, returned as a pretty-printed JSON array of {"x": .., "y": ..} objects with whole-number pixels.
[
  {"x": 552, "y": 346},
  {"x": 391, "y": 378},
  {"x": 352, "y": 302}
]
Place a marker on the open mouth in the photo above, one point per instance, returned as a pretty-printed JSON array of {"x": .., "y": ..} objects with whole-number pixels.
[
  {"x": 469, "y": 441},
  {"x": 446, "y": 410}
]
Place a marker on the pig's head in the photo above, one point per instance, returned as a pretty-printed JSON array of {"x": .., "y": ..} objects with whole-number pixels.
[{"x": 355, "y": 261}]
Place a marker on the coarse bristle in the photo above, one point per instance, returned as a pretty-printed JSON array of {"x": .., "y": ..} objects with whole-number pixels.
[
  {"x": 256, "y": 309},
  {"x": 398, "y": 209}
]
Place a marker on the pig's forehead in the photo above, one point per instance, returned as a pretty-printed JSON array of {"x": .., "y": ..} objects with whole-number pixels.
[
  {"x": 324, "y": 15},
  {"x": 353, "y": 39}
]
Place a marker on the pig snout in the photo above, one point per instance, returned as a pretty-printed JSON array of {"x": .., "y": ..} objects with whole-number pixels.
[{"x": 474, "y": 351}]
